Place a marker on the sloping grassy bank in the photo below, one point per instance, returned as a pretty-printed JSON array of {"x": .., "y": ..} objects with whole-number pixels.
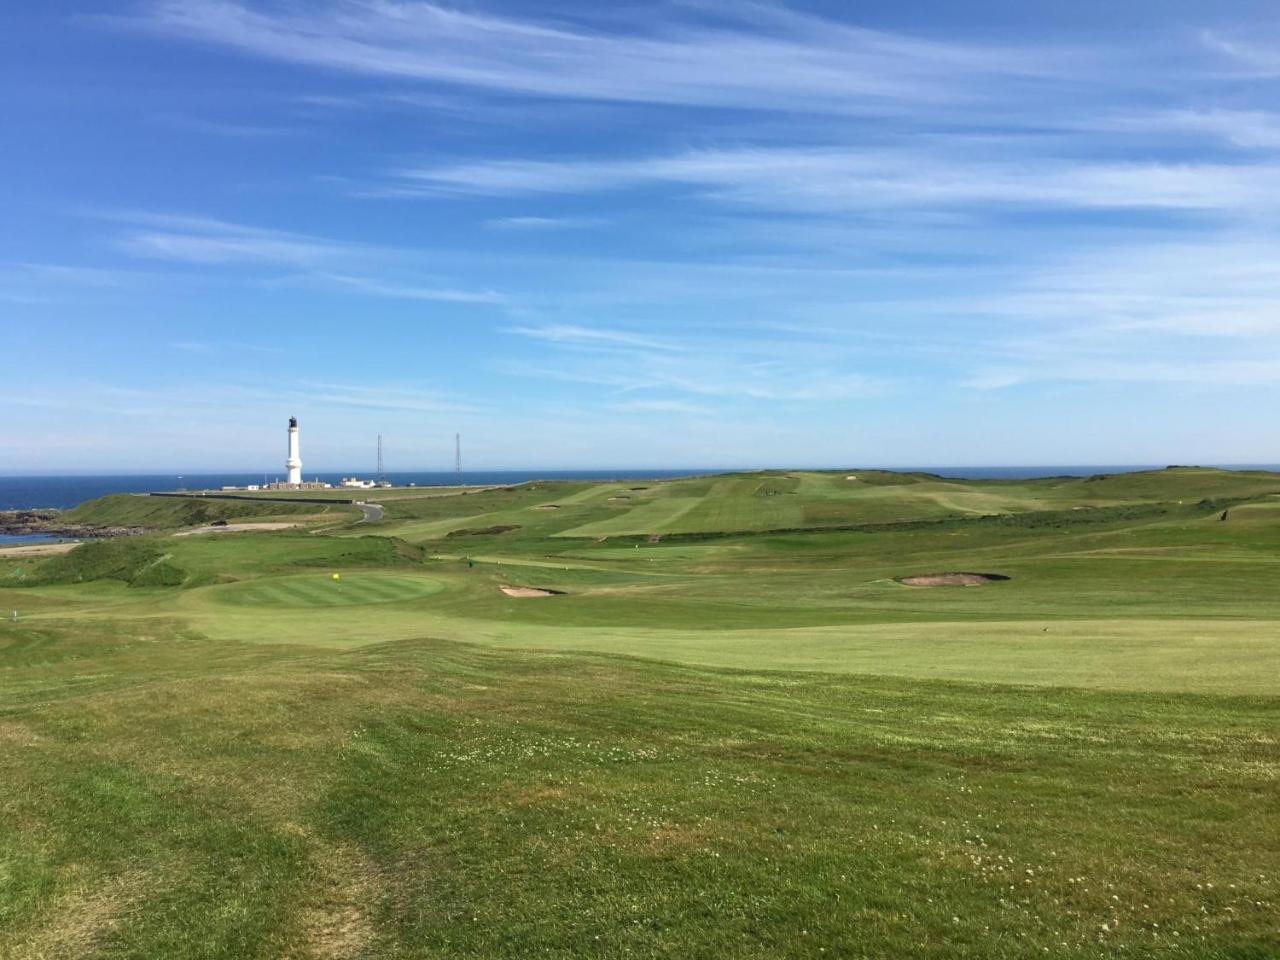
[
  {"x": 199, "y": 561},
  {"x": 426, "y": 799},
  {"x": 165, "y": 513}
]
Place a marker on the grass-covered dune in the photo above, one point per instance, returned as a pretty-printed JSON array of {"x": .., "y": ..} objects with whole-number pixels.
[
  {"x": 154, "y": 561},
  {"x": 724, "y": 734},
  {"x": 161, "y": 513},
  {"x": 775, "y": 501}
]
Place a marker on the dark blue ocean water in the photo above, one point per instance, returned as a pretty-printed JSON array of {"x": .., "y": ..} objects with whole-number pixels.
[
  {"x": 26, "y": 539},
  {"x": 18, "y": 493}
]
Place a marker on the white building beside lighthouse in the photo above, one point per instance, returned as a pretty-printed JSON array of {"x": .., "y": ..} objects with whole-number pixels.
[{"x": 294, "y": 464}]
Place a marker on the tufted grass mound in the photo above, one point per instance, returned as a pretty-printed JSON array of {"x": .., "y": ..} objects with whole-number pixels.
[
  {"x": 156, "y": 513},
  {"x": 137, "y": 562}
]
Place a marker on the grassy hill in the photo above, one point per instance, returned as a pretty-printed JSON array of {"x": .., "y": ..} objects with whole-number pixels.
[
  {"x": 160, "y": 513},
  {"x": 800, "y": 500},
  {"x": 732, "y": 731}
]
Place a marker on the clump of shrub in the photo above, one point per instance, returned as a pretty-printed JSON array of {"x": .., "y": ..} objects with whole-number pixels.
[{"x": 137, "y": 562}]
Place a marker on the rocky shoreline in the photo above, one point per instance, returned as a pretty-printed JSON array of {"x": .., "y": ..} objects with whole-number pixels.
[{"x": 24, "y": 522}]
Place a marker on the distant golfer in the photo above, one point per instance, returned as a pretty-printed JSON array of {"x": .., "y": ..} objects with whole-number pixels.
[{"x": 14, "y": 616}]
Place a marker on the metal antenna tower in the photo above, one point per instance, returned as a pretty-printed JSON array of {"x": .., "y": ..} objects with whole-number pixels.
[
  {"x": 457, "y": 457},
  {"x": 382, "y": 475}
]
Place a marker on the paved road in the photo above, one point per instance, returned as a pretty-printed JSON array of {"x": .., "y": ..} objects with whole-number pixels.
[{"x": 372, "y": 512}]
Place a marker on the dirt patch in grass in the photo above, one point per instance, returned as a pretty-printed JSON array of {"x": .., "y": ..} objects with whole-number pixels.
[
  {"x": 83, "y": 917},
  {"x": 541, "y": 793},
  {"x": 525, "y": 592},
  {"x": 953, "y": 579},
  {"x": 337, "y": 926},
  {"x": 675, "y": 840},
  {"x": 13, "y": 731},
  {"x": 39, "y": 549}
]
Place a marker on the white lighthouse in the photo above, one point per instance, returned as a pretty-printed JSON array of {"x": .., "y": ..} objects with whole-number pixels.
[{"x": 294, "y": 463}]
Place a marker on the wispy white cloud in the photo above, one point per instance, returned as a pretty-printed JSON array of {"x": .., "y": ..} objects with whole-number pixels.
[
  {"x": 593, "y": 337},
  {"x": 748, "y": 56},
  {"x": 36, "y": 283},
  {"x": 241, "y": 398},
  {"x": 211, "y": 242},
  {"x": 1246, "y": 129},
  {"x": 1224, "y": 288},
  {"x": 741, "y": 375},
  {"x": 699, "y": 362},
  {"x": 1195, "y": 313},
  {"x": 681, "y": 407},
  {"x": 544, "y": 223},
  {"x": 397, "y": 397},
  {"x": 409, "y": 292},
  {"x": 223, "y": 128},
  {"x": 204, "y": 240},
  {"x": 214, "y": 347},
  {"x": 64, "y": 273},
  {"x": 1212, "y": 373},
  {"x": 826, "y": 180},
  {"x": 1256, "y": 56}
]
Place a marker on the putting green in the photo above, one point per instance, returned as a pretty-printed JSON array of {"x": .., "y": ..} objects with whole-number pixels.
[{"x": 321, "y": 590}]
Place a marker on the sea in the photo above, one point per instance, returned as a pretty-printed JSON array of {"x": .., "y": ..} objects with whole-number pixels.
[
  {"x": 63, "y": 492},
  {"x": 27, "y": 539}
]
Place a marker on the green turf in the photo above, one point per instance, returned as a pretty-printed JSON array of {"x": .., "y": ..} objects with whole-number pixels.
[
  {"x": 735, "y": 733},
  {"x": 318, "y": 590},
  {"x": 128, "y": 510}
]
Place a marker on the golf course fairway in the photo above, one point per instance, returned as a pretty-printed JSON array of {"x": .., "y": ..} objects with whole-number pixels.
[{"x": 801, "y": 714}]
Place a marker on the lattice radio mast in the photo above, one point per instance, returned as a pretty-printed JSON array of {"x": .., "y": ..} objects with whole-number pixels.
[
  {"x": 382, "y": 475},
  {"x": 457, "y": 457}
]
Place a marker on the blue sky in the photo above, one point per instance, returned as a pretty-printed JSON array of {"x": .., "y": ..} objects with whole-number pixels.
[{"x": 638, "y": 234}]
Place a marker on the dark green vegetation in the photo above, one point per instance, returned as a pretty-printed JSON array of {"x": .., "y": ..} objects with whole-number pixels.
[
  {"x": 732, "y": 741},
  {"x": 139, "y": 563},
  {"x": 126, "y": 510}
]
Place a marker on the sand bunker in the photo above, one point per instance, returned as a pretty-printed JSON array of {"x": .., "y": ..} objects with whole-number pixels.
[
  {"x": 957, "y": 579},
  {"x": 39, "y": 549},
  {"x": 234, "y": 528},
  {"x": 852, "y": 476},
  {"x": 547, "y": 506},
  {"x": 530, "y": 592}
]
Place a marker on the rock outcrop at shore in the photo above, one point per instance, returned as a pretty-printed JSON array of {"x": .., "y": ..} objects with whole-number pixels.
[{"x": 22, "y": 522}]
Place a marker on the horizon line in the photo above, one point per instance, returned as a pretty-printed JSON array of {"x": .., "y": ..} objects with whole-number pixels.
[{"x": 448, "y": 471}]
